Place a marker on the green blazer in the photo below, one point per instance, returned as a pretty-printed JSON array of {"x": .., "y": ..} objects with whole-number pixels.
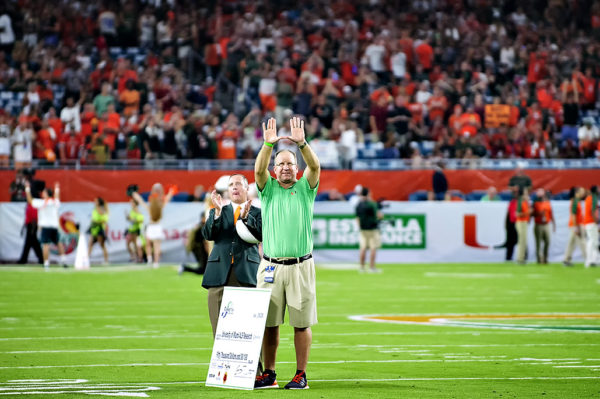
[{"x": 227, "y": 244}]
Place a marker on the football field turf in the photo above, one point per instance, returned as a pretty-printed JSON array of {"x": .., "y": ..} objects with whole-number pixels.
[{"x": 476, "y": 331}]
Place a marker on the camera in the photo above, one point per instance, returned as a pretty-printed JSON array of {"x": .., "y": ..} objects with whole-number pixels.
[{"x": 132, "y": 188}]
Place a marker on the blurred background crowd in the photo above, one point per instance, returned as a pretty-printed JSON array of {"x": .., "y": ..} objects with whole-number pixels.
[{"x": 91, "y": 81}]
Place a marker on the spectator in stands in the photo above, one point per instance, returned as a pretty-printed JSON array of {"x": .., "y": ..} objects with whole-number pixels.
[
  {"x": 570, "y": 113},
  {"x": 466, "y": 66},
  {"x": 70, "y": 116},
  {"x": 520, "y": 180},
  {"x": 22, "y": 143},
  {"x": 7, "y": 35},
  {"x": 491, "y": 195},
  {"x": 439, "y": 182},
  {"x": 199, "y": 194},
  {"x": 4, "y": 141},
  {"x": 368, "y": 216},
  {"x": 103, "y": 100},
  {"x": 588, "y": 136}
]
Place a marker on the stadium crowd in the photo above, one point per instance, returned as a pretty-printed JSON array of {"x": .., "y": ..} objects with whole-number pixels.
[{"x": 147, "y": 79}]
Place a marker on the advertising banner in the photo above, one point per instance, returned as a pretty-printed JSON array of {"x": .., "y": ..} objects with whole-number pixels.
[{"x": 410, "y": 232}]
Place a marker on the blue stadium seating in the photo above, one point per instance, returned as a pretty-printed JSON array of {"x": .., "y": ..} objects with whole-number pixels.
[
  {"x": 475, "y": 195},
  {"x": 420, "y": 195}
]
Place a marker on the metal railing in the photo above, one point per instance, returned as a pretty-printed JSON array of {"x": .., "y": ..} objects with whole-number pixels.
[{"x": 357, "y": 164}]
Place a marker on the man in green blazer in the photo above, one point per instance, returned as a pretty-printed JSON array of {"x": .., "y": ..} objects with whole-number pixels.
[{"x": 233, "y": 261}]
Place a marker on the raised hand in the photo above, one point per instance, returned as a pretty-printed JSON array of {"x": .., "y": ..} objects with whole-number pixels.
[
  {"x": 217, "y": 202},
  {"x": 297, "y": 129},
  {"x": 270, "y": 131}
]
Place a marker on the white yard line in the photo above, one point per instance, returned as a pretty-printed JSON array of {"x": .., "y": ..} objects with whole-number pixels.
[
  {"x": 110, "y": 350},
  {"x": 191, "y": 335},
  {"x": 542, "y": 378},
  {"x": 312, "y": 362}
]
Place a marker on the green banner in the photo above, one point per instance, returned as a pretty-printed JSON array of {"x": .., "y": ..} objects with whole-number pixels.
[{"x": 398, "y": 231}]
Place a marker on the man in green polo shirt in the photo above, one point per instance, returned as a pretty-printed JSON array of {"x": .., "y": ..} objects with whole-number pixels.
[{"x": 287, "y": 266}]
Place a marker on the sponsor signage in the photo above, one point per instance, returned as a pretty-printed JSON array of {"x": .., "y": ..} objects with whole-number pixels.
[{"x": 398, "y": 231}]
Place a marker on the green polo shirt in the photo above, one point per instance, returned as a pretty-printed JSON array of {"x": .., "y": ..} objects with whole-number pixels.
[{"x": 287, "y": 216}]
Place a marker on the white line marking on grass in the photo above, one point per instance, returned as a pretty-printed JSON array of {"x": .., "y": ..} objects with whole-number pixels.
[
  {"x": 468, "y": 275},
  {"x": 192, "y": 335},
  {"x": 338, "y": 266},
  {"x": 312, "y": 362},
  {"x": 580, "y": 367},
  {"x": 94, "y": 317},
  {"x": 110, "y": 350},
  {"x": 403, "y": 379},
  {"x": 77, "y": 386}
]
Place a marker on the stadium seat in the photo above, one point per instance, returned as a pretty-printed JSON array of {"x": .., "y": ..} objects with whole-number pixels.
[
  {"x": 181, "y": 197},
  {"x": 456, "y": 194},
  {"x": 420, "y": 195},
  {"x": 322, "y": 196},
  {"x": 505, "y": 195},
  {"x": 561, "y": 196},
  {"x": 475, "y": 195}
]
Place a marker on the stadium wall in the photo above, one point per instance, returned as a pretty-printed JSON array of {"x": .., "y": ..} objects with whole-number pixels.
[
  {"x": 412, "y": 232},
  {"x": 392, "y": 185}
]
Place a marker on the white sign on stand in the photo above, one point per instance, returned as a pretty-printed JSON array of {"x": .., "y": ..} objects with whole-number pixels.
[{"x": 239, "y": 336}]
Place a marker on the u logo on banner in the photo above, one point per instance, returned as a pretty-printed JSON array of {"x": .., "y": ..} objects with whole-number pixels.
[{"x": 470, "y": 233}]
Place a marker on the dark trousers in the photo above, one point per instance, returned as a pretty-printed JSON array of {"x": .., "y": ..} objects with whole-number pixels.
[
  {"x": 31, "y": 241},
  {"x": 511, "y": 239}
]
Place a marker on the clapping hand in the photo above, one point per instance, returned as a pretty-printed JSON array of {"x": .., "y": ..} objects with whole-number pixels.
[
  {"x": 245, "y": 210},
  {"x": 217, "y": 201}
]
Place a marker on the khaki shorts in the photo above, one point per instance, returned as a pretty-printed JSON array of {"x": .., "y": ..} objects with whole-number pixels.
[
  {"x": 370, "y": 239},
  {"x": 294, "y": 286}
]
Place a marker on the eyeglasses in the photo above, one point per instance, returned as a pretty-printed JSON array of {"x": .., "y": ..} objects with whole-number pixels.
[{"x": 282, "y": 164}]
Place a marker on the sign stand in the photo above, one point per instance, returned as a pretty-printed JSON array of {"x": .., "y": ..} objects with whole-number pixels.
[{"x": 239, "y": 337}]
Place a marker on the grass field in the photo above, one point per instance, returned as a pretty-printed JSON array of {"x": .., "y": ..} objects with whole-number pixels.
[{"x": 117, "y": 331}]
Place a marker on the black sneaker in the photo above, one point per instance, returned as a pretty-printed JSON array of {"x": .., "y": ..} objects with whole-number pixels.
[
  {"x": 298, "y": 382},
  {"x": 266, "y": 380}
]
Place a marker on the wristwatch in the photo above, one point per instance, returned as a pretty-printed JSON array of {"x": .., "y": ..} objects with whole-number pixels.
[{"x": 301, "y": 146}]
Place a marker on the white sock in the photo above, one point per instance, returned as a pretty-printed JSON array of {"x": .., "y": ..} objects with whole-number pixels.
[
  {"x": 46, "y": 263},
  {"x": 63, "y": 259},
  {"x": 149, "y": 259}
]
